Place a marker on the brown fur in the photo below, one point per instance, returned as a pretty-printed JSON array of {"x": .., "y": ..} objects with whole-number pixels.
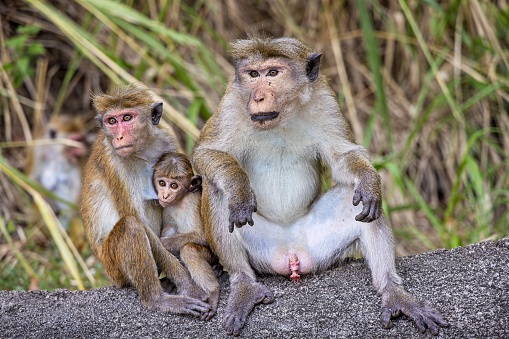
[
  {"x": 121, "y": 222},
  {"x": 122, "y": 97},
  {"x": 174, "y": 165},
  {"x": 270, "y": 48}
]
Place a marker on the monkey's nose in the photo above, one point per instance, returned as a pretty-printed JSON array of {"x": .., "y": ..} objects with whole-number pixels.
[{"x": 259, "y": 97}]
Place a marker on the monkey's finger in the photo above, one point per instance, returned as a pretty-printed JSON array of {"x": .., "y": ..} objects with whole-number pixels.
[
  {"x": 193, "y": 312},
  {"x": 239, "y": 323},
  {"x": 231, "y": 227},
  {"x": 357, "y": 198},
  {"x": 420, "y": 324},
  {"x": 228, "y": 324},
  {"x": 242, "y": 221},
  {"x": 378, "y": 211},
  {"x": 207, "y": 315},
  {"x": 437, "y": 317},
  {"x": 433, "y": 328},
  {"x": 250, "y": 221},
  {"x": 365, "y": 212},
  {"x": 385, "y": 317},
  {"x": 372, "y": 212}
]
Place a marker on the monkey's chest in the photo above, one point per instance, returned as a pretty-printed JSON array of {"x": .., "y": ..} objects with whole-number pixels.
[{"x": 285, "y": 186}]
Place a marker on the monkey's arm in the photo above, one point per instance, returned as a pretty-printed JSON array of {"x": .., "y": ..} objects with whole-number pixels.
[
  {"x": 176, "y": 242},
  {"x": 225, "y": 173},
  {"x": 354, "y": 166}
]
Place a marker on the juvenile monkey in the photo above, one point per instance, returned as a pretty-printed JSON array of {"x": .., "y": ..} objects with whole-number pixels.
[
  {"x": 122, "y": 224},
  {"x": 260, "y": 159},
  {"x": 179, "y": 192}
]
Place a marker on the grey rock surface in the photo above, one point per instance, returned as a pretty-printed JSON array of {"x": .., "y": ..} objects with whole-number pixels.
[{"x": 469, "y": 285}]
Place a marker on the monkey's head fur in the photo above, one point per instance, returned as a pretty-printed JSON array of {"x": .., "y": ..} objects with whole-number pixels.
[
  {"x": 290, "y": 48},
  {"x": 122, "y": 97},
  {"x": 273, "y": 77},
  {"x": 173, "y": 165},
  {"x": 127, "y": 116}
]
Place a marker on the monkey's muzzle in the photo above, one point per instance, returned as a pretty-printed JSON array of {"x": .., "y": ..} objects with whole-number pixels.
[{"x": 264, "y": 116}]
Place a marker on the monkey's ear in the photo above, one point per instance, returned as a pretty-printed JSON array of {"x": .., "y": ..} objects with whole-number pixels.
[
  {"x": 157, "y": 112},
  {"x": 195, "y": 184},
  {"x": 99, "y": 120},
  {"x": 313, "y": 66}
]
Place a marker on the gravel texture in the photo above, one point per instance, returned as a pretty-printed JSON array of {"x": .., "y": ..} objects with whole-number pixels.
[{"x": 469, "y": 285}]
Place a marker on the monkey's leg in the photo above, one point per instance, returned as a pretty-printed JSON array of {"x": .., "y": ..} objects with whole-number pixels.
[
  {"x": 377, "y": 244},
  {"x": 174, "y": 270},
  {"x": 198, "y": 259},
  {"x": 127, "y": 258},
  {"x": 245, "y": 292},
  {"x": 331, "y": 230}
]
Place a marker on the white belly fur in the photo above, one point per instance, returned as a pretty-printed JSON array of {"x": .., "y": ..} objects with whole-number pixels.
[
  {"x": 322, "y": 234},
  {"x": 284, "y": 189}
]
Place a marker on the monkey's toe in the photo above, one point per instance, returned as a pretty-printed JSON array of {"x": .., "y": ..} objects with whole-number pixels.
[{"x": 423, "y": 315}]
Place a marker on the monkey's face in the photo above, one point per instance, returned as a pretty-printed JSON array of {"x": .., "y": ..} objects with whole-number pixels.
[
  {"x": 123, "y": 129},
  {"x": 268, "y": 85},
  {"x": 170, "y": 190}
]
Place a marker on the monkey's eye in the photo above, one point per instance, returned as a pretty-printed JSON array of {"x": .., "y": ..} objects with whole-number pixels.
[
  {"x": 127, "y": 117},
  {"x": 162, "y": 183},
  {"x": 272, "y": 73},
  {"x": 112, "y": 121},
  {"x": 254, "y": 74},
  {"x": 52, "y": 133},
  {"x": 174, "y": 186}
]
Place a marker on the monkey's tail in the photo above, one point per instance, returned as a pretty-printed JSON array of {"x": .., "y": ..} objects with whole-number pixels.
[{"x": 197, "y": 258}]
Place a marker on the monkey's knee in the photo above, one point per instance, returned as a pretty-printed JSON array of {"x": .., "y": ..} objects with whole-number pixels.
[
  {"x": 195, "y": 252},
  {"x": 126, "y": 253}
]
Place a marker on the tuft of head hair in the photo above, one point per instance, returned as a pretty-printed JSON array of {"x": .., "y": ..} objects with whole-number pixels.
[
  {"x": 173, "y": 165},
  {"x": 122, "y": 97},
  {"x": 266, "y": 47}
]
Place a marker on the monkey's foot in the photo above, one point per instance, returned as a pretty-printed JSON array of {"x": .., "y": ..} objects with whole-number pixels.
[
  {"x": 193, "y": 291},
  {"x": 398, "y": 301},
  {"x": 180, "y": 304},
  {"x": 217, "y": 268},
  {"x": 244, "y": 295},
  {"x": 167, "y": 285},
  {"x": 213, "y": 301},
  {"x": 294, "y": 267}
]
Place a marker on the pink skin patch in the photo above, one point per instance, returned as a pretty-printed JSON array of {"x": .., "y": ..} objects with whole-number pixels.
[
  {"x": 294, "y": 267},
  {"x": 122, "y": 125}
]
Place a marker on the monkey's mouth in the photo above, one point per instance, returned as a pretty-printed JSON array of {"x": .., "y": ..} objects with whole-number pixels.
[
  {"x": 264, "y": 116},
  {"x": 123, "y": 147}
]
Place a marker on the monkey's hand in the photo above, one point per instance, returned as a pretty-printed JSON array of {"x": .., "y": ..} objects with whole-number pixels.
[
  {"x": 368, "y": 191},
  {"x": 399, "y": 301},
  {"x": 241, "y": 209}
]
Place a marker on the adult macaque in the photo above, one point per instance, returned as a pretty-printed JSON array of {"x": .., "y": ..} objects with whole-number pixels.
[
  {"x": 59, "y": 167},
  {"x": 121, "y": 221},
  {"x": 259, "y": 157},
  {"x": 179, "y": 192}
]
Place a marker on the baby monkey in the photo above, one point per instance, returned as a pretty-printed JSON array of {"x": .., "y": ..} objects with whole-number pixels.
[{"x": 179, "y": 193}]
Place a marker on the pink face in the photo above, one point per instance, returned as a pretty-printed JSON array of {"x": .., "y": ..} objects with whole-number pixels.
[
  {"x": 169, "y": 190},
  {"x": 122, "y": 126}
]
